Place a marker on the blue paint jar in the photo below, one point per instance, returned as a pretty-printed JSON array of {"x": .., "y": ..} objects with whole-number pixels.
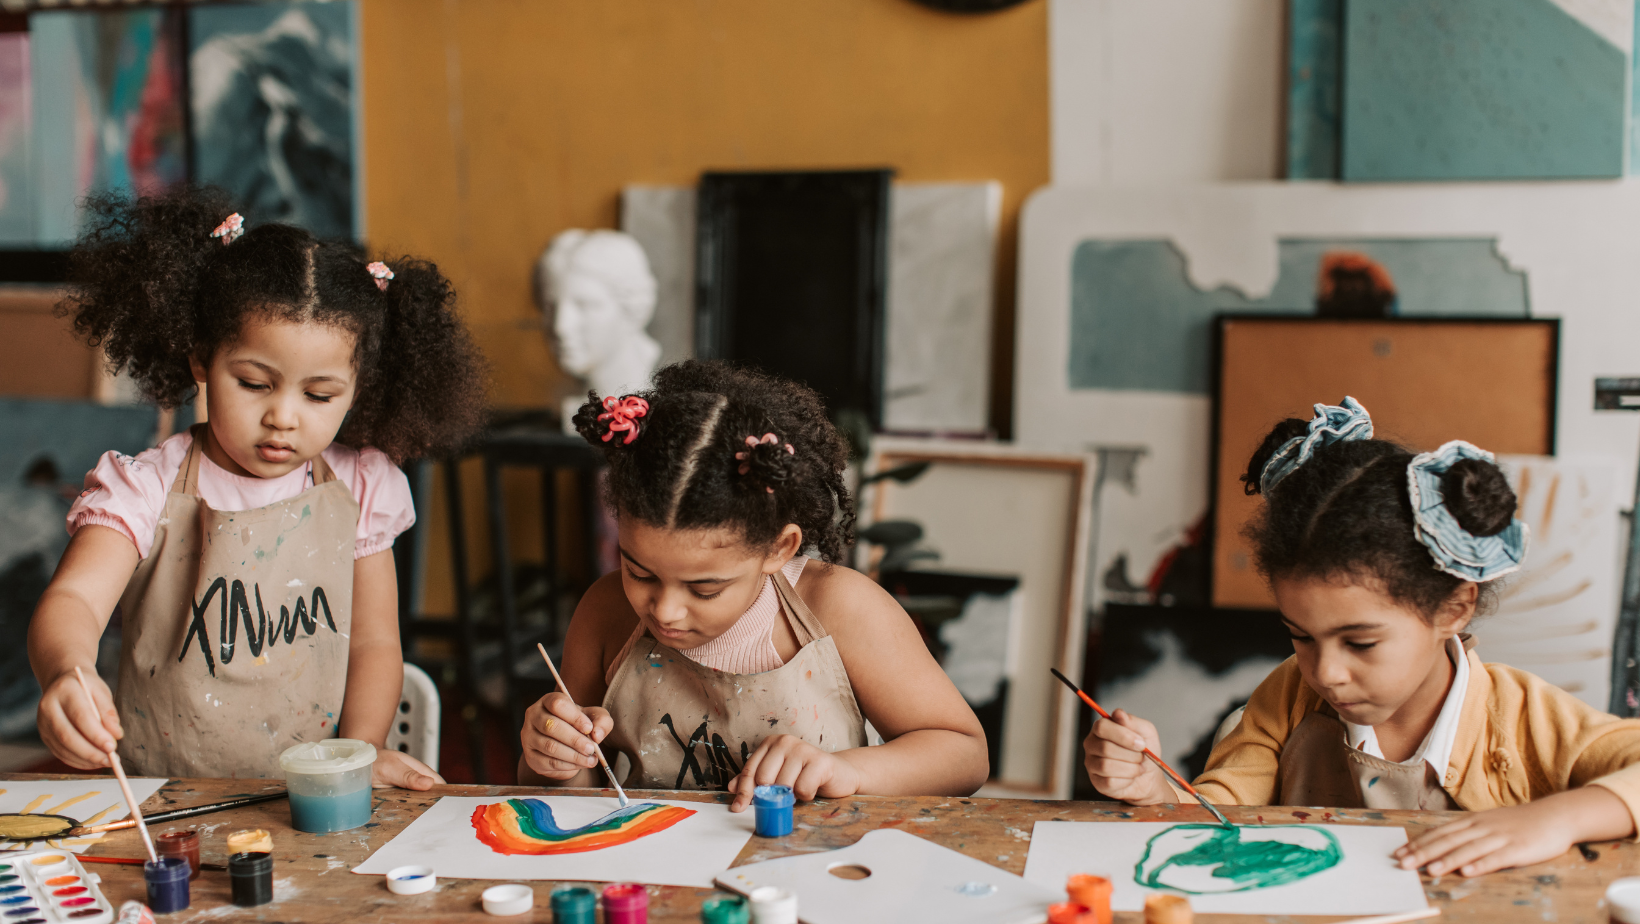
[
  {"x": 773, "y": 805},
  {"x": 167, "y": 884},
  {"x": 329, "y": 784},
  {"x": 574, "y": 905}
]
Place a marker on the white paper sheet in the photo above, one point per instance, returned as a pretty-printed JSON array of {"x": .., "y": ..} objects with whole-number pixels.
[
  {"x": 689, "y": 853},
  {"x": 1364, "y": 881},
  {"x": 86, "y": 801}
]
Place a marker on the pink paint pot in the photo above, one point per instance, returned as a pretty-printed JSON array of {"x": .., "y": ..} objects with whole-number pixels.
[{"x": 626, "y": 903}]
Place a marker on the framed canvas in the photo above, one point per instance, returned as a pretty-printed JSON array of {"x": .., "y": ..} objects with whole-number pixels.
[
  {"x": 791, "y": 276},
  {"x": 1416, "y": 376},
  {"x": 1021, "y": 516}
]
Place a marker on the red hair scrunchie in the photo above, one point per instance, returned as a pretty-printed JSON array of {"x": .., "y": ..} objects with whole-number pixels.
[{"x": 623, "y": 414}]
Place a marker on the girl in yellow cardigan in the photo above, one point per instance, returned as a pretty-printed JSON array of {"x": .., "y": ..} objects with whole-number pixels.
[{"x": 1379, "y": 559}]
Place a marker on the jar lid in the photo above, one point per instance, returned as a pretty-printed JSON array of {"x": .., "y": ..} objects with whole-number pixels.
[{"x": 333, "y": 755}]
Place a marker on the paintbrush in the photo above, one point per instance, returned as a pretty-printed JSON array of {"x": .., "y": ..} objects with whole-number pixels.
[
  {"x": 119, "y": 773},
  {"x": 138, "y": 861},
  {"x": 72, "y": 828},
  {"x": 595, "y": 748},
  {"x": 1149, "y": 753},
  {"x": 1401, "y": 918}
]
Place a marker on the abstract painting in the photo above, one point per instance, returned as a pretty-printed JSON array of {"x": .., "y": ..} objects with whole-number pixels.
[
  {"x": 106, "y": 109},
  {"x": 274, "y": 98},
  {"x": 1281, "y": 867},
  {"x": 569, "y": 838},
  {"x": 527, "y": 826}
]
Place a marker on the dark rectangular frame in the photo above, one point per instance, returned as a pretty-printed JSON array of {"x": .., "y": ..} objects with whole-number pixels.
[
  {"x": 1220, "y": 320},
  {"x": 722, "y": 194}
]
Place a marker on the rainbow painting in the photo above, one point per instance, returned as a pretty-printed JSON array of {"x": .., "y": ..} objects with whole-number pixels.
[{"x": 526, "y": 826}]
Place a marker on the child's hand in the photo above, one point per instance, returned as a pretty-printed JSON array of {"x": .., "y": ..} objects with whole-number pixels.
[
  {"x": 558, "y": 736},
  {"x": 395, "y": 768},
  {"x": 1519, "y": 835},
  {"x": 76, "y": 735},
  {"x": 1114, "y": 757},
  {"x": 793, "y": 762}
]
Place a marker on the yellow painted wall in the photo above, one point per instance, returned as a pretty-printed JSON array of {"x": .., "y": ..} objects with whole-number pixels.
[{"x": 491, "y": 125}]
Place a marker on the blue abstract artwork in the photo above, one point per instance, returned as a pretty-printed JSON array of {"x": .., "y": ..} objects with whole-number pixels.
[
  {"x": 1137, "y": 322},
  {"x": 274, "y": 102},
  {"x": 1480, "y": 89}
]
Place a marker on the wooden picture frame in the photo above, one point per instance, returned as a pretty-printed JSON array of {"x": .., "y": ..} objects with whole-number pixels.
[
  {"x": 995, "y": 509},
  {"x": 1491, "y": 381}
]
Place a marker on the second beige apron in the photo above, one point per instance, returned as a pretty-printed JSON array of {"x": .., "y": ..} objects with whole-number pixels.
[
  {"x": 686, "y": 726},
  {"x": 235, "y": 630},
  {"x": 1318, "y": 767}
]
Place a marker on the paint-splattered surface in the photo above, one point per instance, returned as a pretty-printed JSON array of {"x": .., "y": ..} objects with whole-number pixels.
[{"x": 312, "y": 882}]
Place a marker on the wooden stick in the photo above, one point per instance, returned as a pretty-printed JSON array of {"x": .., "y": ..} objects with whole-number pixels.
[
  {"x": 1149, "y": 753},
  {"x": 119, "y": 772},
  {"x": 596, "y": 749},
  {"x": 173, "y": 815},
  {"x": 138, "y": 861},
  {"x": 1401, "y": 918}
]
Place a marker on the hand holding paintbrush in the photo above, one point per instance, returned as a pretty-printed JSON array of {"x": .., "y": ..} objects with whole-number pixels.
[
  {"x": 620, "y": 793},
  {"x": 119, "y": 773}
]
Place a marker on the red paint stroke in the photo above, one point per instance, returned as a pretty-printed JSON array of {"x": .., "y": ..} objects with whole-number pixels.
[{"x": 1301, "y": 815}]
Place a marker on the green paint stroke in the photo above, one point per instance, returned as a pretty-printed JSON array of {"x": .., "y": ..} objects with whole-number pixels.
[{"x": 1178, "y": 858}]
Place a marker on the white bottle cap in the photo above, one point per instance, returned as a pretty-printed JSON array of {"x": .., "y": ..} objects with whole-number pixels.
[
  {"x": 507, "y": 900},
  {"x": 411, "y": 880},
  {"x": 1623, "y": 900},
  {"x": 773, "y": 905}
]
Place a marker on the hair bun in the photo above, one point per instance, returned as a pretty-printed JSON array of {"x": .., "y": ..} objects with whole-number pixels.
[
  {"x": 766, "y": 464},
  {"x": 1478, "y": 496},
  {"x": 1291, "y": 428}
]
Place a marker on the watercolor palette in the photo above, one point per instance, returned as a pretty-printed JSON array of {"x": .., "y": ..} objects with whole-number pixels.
[{"x": 49, "y": 887}]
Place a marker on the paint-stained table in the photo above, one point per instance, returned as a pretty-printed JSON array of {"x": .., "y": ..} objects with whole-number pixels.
[{"x": 313, "y": 882}]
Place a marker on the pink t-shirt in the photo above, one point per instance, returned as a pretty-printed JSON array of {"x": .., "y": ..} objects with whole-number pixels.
[{"x": 128, "y": 493}]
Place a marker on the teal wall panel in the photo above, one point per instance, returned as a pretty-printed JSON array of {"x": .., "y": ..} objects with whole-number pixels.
[
  {"x": 1479, "y": 89},
  {"x": 1314, "y": 55}
]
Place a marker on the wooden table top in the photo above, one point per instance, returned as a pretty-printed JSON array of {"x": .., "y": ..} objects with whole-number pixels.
[{"x": 313, "y": 882}]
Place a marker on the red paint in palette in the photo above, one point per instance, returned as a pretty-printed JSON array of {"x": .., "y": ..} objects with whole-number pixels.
[{"x": 71, "y": 890}]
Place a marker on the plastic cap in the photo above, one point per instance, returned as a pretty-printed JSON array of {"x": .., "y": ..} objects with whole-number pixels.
[
  {"x": 775, "y": 796},
  {"x": 725, "y": 909},
  {"x": 773, "y": 905},
  {"x": 1623, "y": 899},
  {"x": 334, "y": 755}
]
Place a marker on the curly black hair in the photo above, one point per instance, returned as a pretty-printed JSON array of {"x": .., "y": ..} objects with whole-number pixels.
[
  {"x": 690, "y": 465},
  {"x": 153, "y": 288},
  {"x": 1347, "y": 513}
]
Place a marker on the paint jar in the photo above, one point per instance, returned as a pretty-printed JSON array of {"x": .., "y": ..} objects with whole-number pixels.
[
  {"x": 1168, "y": 909},
  {"x": 626, "y": 903},
  {"x": 250, "y": 840},
  {"x": 329, "y": 783},
  {"x": 725, "y": 909},
  {"x": 167, "y": 884},
  {"x": 574, "y": 905},
  {"x": 184, "y": 844},
  {"x": 1092, "y": 892},
  {"x": 773, "y": 805},
  {"x": 251, "y": 876},
  {"x": 773, "y": 905}
]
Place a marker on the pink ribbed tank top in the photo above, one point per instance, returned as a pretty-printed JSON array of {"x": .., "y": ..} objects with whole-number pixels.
[{"x": 748, "y": 646}]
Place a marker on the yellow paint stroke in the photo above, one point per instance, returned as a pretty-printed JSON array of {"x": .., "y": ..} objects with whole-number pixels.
[
  {"x": 1551, "y": 599},
  {"x": 97, "y": 818},
  {"x": 77, "y": 799},
  {"x": 36, "y": 803},
  {"x": 1548, "y": 522}
]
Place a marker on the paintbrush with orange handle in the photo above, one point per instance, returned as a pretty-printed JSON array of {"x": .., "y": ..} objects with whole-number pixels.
[{"x": 1149, "y": 753}]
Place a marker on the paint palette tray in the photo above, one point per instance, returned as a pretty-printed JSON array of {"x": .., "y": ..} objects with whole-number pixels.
[{"x": 49, "y": 887}]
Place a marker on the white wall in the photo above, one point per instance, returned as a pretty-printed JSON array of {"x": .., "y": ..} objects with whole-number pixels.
[{"x": 1164, "y": 91}]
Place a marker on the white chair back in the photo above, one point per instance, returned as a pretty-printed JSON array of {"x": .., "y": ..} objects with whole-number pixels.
[{"x": 415, "y": 727}]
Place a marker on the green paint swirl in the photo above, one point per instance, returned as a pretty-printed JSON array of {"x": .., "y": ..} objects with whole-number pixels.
[{"x": 1177, "y": 858}]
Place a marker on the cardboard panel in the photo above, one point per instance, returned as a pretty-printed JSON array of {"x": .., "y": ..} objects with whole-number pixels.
[{"x": 1424, "y": 382}]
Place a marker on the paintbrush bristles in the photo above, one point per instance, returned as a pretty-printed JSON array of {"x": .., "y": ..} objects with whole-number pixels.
[
  {"x": 119, "y": 772},
  {"x": 564, "y": 688}
]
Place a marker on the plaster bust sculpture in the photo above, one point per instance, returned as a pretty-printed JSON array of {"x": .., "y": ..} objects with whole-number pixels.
[{"x": 599, "y": 295}]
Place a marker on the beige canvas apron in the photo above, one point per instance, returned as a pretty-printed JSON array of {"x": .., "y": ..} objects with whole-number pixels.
[
  {"x": 236, "y": 630},
  {"x": 1318, "y": 767},
  {"x": 686, "y": 726}
]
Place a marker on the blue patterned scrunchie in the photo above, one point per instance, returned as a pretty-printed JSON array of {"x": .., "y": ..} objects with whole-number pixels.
[
  {"x": 1331, "y": 425},
  {"x": 1457, "y": 551}
]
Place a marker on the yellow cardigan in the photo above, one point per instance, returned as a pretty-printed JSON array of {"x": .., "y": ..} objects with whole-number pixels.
[{"x": 1519, "y": 739}]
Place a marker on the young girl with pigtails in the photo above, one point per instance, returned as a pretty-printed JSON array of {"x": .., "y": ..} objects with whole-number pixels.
[
  {"x": 1379, "y": 559},
  {"x": 729, "y": 651},
  {"x": 250, "y": 556}
]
